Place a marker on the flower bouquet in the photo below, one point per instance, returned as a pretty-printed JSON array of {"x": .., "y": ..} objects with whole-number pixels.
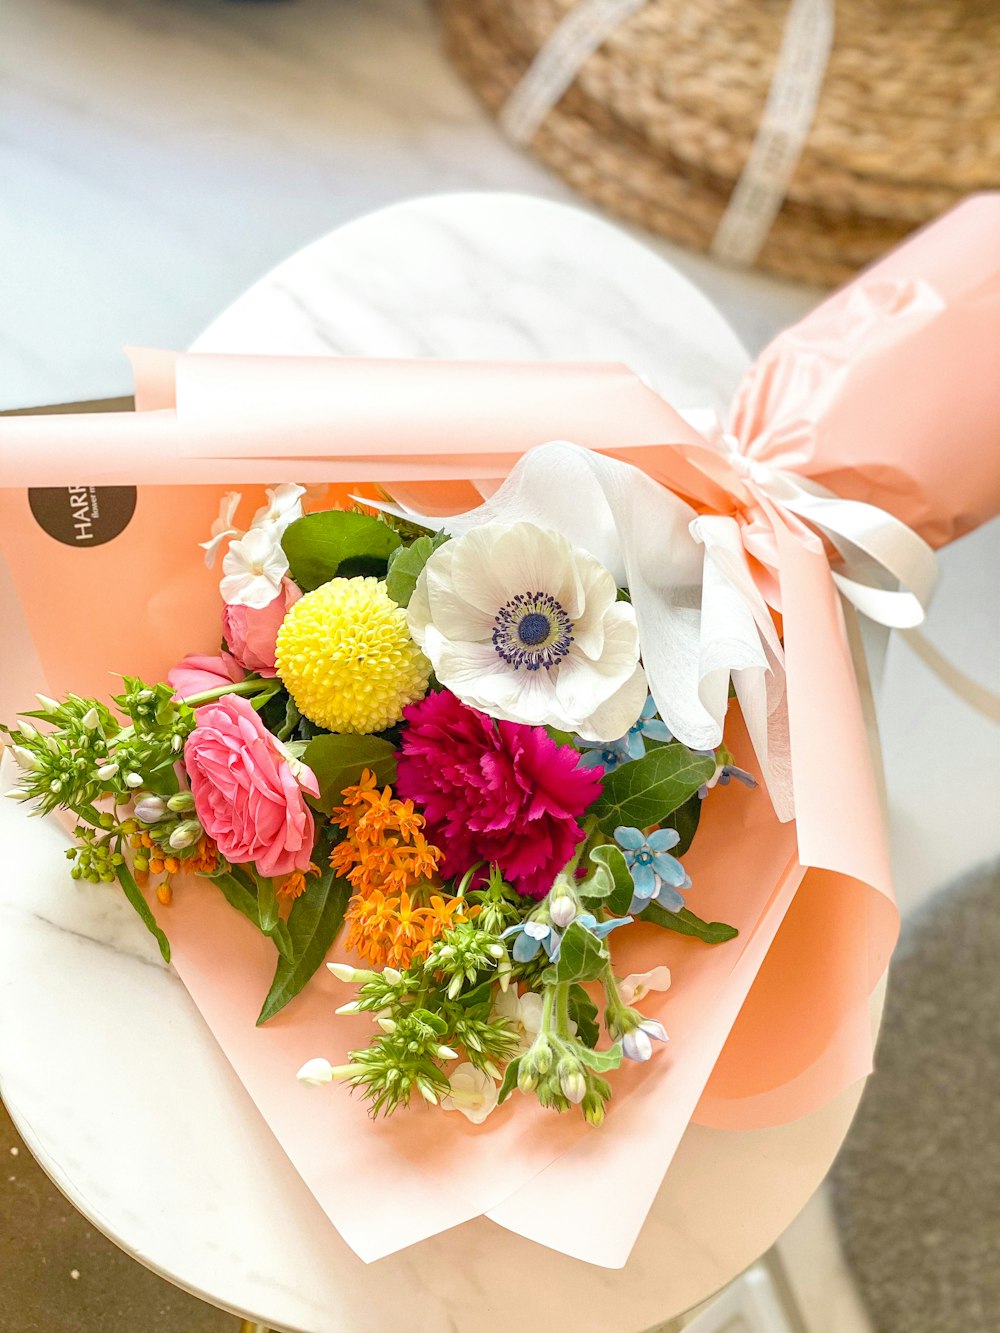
[
  {"x": 442, "y": 748},
  {"x": 536, "y": 711}
]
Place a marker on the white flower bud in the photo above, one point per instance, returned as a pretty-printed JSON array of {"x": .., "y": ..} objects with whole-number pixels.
[
  {"x": 24, "y": 759},
  {"x": 316, "y": 1071},
  {"x": 176, "y": 743},
  {"x": 562, "y": 910},
  {"x": 16, "y": 794},
  {"x": 446, "y": 1053},
  {"x": 393, "y": 976},
  {"x": 107, "y": 771},
  {"x": 637, "y": 1046},
  {"x": 150, "y": 809},
  {"x": 91, "y": 719},
  {"x": 185, "y": 835},
  {"x": 426, "y": 1091},
  {"x": 352, "y": 1007},
  {"x": 133, "y": 780},
  {"x": 387, "y": 1025},
  {"x": 29, "y": 732},
  {"x": 455, "y": 985},
  {"x": 497, "y": 951},
  {"x": 345, "y": 972},
  {"x": 50, "y": 705},
  {"x": 574, "y": 1086}
]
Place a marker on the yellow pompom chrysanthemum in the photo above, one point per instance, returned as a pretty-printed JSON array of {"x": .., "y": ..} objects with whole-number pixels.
[{"x": 346, "y": 657}]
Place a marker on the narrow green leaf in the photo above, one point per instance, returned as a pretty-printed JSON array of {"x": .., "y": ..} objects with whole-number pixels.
[
  {"x": 336, "y": 542},
  {"x": 647, "y": 790},
  {"x": 405, "y": 565},
  {"x": 312, "y": 926},
  {"x": 686, "y": 923},
  {"x": 134, "y": 894},
  {"x": 582, "y": 955},
  {"x": 509, "y": 1080},
  {"x": 338, "y": 762},
  {"x": 583, "y": 1012},
  {"x": 267, "y": 904},
  {"x": 238, "y": 895},
  {"x": 601, "y": 1062},
  {"x": 619, "y": 897}
]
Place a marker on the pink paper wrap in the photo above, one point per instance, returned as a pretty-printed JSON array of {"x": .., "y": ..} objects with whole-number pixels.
[{"x": 889, "y": 392}]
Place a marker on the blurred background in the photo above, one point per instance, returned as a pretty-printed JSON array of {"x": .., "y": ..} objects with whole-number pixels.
[{"x": 158, "y": 156}]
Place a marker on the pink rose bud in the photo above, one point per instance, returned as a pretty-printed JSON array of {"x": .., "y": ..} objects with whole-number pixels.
[{"x": 251, "y": 632}]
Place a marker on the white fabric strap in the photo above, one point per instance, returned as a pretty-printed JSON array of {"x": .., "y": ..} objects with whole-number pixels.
[
  {"x": 781, "y": 135},
  {"x": 774, "y": 154},
  {"x": 570, "y": 45}
]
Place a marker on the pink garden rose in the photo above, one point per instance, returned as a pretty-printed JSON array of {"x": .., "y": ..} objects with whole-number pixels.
[
  {"x": 245, "y": 793},
  {"x": 199, "y": 672},
  {"x": 251, "y": 631}
]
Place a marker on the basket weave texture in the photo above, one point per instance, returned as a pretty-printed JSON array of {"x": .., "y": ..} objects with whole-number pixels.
[{"x": 659, "y": 122}]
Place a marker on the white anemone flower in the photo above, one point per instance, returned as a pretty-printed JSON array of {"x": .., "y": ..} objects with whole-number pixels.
[
  {"x": 254, "y": 567},
  {"x": 473, "y": 1093},
  {"x": 526, "y": 627},
  {"x": 223, "y": 527}
]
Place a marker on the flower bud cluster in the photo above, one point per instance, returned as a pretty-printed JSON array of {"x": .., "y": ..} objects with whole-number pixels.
[{"x": 96, "y": 857}]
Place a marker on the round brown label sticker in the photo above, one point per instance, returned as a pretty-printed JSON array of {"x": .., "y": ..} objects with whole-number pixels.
[{"x": 83, "y": 516}]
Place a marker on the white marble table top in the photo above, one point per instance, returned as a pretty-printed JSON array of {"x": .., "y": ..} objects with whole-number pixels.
[
  {"x": 110, "y": 1072},
  {"x": 106, "y": 1066}
]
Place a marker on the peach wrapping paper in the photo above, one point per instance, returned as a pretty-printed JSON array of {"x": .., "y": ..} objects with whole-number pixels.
[{"x": 876, "y": 395}]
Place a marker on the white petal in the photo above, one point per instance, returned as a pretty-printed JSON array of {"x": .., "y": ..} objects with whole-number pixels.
[
  {"x": 316, "y": 1071},
  {"x": 614, "y": 717},
  {"x": 638, "y": 984}
]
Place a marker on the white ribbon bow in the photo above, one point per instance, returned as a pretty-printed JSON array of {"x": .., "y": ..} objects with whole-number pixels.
[{"x": 887, "y": 570}]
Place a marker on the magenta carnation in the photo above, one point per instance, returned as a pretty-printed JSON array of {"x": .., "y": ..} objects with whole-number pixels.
[{"x": 494, "y": 791}]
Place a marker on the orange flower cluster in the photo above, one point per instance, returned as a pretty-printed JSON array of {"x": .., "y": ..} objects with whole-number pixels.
[
  {"x": 151, "y": 859},
  {"x": 393, "y": 917}
]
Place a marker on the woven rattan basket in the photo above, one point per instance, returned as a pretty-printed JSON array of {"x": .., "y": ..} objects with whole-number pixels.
[{"x": 659, "y": 121}]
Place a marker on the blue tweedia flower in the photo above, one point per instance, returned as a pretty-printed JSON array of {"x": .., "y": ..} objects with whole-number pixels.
[
  {"x": 612, "y": 754},
  {"x": 646, "y": 726},
  {"x": 722, "y": 777},
  {"x": 656, "y": 875},
  {"x": 602, "y": 928},
  {"x": 608, "y": 755},
  {"x": 532, "y": 936}
]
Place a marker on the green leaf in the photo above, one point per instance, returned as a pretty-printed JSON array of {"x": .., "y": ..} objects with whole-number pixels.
[
  {"x": 336, "y": 543},
  {"x": 685, "y": 820},
  {"x": 239, "y": 895},
  {"x": 686, "y": 923},
  {"x": 313, "y": 924},
  {"x": 583, "y": 1012},
  {"x": 647, "y": 790},
  {"x": 405, "y": 565},
  {"x": 602, "y": 1061},
  {"x": 134, "y": 894},
  {"x": 338, "y": 762},
  {"x": 582, "y": 955},
  {"x": 509, "y": 1080},
  {"x": 267, "y": 904},
  {"x": 621, "y": 891}
]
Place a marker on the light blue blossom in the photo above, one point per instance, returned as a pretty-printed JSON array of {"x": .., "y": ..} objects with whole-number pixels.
[
  {"x": 601, "y": 928},
  {"x": 612, "y": 754},
  {"x": 723, "y": 775},
  {"x": 656, "y": 875},
  {"x": 531, "y": 936},
  {"x": 608, "y": 755},
  {"x": 646, "y": 726}
]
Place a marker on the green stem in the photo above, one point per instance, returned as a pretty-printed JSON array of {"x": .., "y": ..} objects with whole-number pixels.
[{"x": 249, "y": 686}]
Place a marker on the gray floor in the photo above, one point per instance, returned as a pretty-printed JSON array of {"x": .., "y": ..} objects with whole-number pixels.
[{"x": 59, "y": 1275}]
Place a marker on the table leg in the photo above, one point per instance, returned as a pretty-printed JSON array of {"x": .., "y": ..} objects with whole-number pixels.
[{"x": 249, "y": 1327}]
